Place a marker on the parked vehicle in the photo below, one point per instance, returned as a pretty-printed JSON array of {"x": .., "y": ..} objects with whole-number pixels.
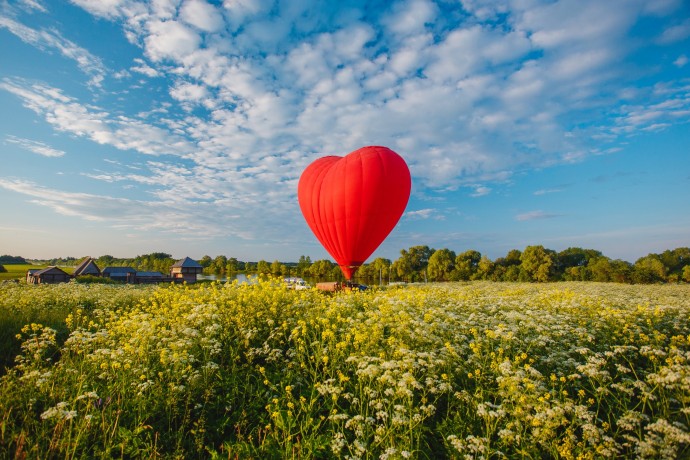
[{"x": 297, "y": 283}]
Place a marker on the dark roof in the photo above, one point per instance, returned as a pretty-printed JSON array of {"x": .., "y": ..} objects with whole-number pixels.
[
  {"x": 51, "y": 269},
  {"x": 87, "y": 266},
  {"x": 123, "y": 270},
  {"x": 187, "y": 263},
  {"x": 150, "y": 274}
]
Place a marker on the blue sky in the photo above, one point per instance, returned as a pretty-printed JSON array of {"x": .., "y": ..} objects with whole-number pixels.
[{"x": 182, "y": 126}]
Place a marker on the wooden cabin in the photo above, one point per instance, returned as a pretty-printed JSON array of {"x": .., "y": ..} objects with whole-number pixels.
[
  {"x": 119, "y": 273},
  {"x": 146, "y": 278},
  {"x": 186, "y": 269},
  {"x": 87, "y": 267},
  {"x": 47, "y": 276}
]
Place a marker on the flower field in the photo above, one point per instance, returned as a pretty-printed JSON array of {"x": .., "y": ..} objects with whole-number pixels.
[{"x": 479, "y": 370}]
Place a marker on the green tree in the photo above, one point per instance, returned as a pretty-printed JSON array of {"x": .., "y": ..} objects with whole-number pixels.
[
  {"x": 572, "y": 263},
  {"x": 675, "y": 261},
  {"x": 419, "y": 257},
  {"x": 620, "y": 271},
  {"x": 263, "y": 268},
  {"x": 232, "y": 266},
  {"x": 402, "y": 266},
  {"x": 219, "y": 264},
  {"x": 322, "y": 269},
  {"x": 277, "y": 268},
  {"x": 206, "y": 261},
  {"x": 686, "y": 273},
  {"x": 649, "y": 269},
  {"x": 485, "y": 269},
  {"x": 600, "y": 268},
  {"x": 303, "y": 265},
  {"x": 441, "y": 264},
  {"x": 537, "y": 263},
  {"x": 466, "y": 265},
  {"x": 105, "y": 261},
  {"x": 380, "y": 268}
]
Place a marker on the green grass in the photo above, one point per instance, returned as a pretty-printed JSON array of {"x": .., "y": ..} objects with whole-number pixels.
[{"x": 18, "y": 271}]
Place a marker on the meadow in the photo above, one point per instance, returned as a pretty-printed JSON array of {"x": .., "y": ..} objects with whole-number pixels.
[
  {"x": 454, "y": 370},
  {"x": 17, "y": 271}
]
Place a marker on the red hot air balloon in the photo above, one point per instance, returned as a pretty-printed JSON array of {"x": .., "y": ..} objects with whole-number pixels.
[{"x": 352, "y": 203}]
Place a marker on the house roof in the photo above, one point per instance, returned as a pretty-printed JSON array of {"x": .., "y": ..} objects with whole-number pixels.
[
  {"x": 87, "y": 266},
  {"x": 187, "y": 263},
  {"x": 150, "y": 274},
  {"x": 52, "y": 270},
  {"x": 122, "y": 270}
]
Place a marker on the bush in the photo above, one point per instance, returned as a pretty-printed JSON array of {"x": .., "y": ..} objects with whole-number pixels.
[{"x": 91, "y": 279}]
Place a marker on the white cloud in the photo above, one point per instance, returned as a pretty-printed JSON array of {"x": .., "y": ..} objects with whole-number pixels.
[
  {"x": 681, "y": 61},
  {"x": 170, "y": 40},
  {"x": 424, "y": 214},
  {"x": 33, "y": 5},
  {"x": 189, "y": 92},
  {"x": 143, "y": 68},
  {"x": 534, "y": 215},
  {"x": 675, "y": 33},
  {"x": 48, "y": 40},
  {"x": 201, "y": 15},
  {"x": 37, "y": 147},
  {"x": 102, "y": 8},
  {"x": 410, "y": 17},
  {"x": 68, "y": 115},
  {"x": 480, "y": 190},
  {"x": 548, "y": 191}
]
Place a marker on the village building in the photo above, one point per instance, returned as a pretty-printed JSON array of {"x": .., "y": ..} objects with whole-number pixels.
[
  {"x": 119, "y": 273},
  {"x": 147, "y": 278},
  {"x": 182, "y": 271},
  {"x": 186, "y": 269},
  {"x": 47, "y": 275},
  {"x": 87, "y": 267}
]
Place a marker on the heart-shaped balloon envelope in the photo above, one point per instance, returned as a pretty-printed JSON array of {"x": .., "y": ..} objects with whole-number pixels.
[{"x": 352, "y": 203}]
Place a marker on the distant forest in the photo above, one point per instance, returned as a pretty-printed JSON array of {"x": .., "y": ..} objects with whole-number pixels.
[{"x": 421, "y": 263}]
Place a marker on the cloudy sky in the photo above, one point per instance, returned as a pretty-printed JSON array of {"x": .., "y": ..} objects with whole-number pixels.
[{"x": 182, "y": 126}]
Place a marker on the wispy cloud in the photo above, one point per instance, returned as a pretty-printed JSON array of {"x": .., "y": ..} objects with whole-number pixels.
[
  {"x": 675, "y": 33},
  {"x": 68, "y": 115},
  {"x": 424, "y": 214},
  {"x": 52, "y": 40},
  {"x": 37, "y": 147},
  {"x": 535, "y": 215},
  {"x": 547, "y": 191},
  {"x": 33, "y": 5},
  {"x": 480, "y": 190}
]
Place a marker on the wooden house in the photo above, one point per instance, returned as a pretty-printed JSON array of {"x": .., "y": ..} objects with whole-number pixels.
[
  {"x": 146, "y": 278},
  {"x": 186, "y": 269},
  {"x": 87, "y": 267},
  {"x": 119, "y": 273},
  {"x": 47, "y": 275}
]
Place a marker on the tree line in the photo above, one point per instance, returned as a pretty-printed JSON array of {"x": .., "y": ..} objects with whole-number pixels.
[
  {"x": 539, "y": 264},
  {"x": 422, "y": 263}
]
